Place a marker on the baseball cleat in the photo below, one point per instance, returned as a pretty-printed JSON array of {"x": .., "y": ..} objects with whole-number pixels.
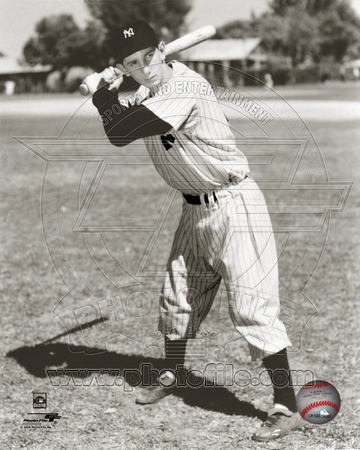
[
  {"x": 278, "y": 424},
  {"x": 152, "y": 395}
]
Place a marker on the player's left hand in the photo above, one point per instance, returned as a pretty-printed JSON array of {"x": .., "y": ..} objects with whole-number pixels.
[{"x": 111, "y": 76}]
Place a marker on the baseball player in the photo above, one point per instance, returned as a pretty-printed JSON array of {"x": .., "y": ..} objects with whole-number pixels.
[{"x": 225, "y": 230}]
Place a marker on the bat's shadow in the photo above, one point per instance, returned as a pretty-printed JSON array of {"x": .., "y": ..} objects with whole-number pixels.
[{"x": 37, "y": 359}]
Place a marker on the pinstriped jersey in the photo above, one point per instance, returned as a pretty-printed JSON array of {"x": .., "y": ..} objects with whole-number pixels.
[{"x": 199, "y": 154}]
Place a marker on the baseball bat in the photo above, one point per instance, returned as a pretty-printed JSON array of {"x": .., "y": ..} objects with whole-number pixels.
[{"x": 180, "y": 44}]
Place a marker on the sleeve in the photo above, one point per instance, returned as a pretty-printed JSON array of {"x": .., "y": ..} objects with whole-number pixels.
[
  {"x": 173, "y": 109},
  {"x": 124, "y": 125}
]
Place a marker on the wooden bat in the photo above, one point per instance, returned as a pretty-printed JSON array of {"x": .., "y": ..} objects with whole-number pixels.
[{"x": 180, "y": 44}]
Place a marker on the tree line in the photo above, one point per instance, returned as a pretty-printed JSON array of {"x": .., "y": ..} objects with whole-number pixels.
[
  {"x": 59, "y": 41},
  {"x": 303, "y": 30},
  {"x": 296, "y": 31}
]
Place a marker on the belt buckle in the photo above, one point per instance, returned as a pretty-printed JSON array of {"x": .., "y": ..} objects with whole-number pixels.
[{"x": 206, "y": 198}]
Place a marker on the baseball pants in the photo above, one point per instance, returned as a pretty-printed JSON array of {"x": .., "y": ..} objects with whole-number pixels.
[{"x": 230, "y": 238}]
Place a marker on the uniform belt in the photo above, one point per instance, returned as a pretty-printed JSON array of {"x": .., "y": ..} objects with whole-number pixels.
[{"x": 196, "y": 199}]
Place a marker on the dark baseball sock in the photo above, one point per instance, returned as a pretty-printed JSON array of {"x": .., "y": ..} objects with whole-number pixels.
[
  {"x": 278, "y": 365},
  {"x": 175, "y": 351}
]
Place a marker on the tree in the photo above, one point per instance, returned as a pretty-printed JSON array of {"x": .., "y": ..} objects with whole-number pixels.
[
  {"x": 280, "y": 35},
  {"x": 340, "y": 31},
  {"x": 289, "y": 36},
  {"x": 302, "y": 36},
  {"x": 57, "y": 42},
  {"x": 273, "y": 32},
  {"x": 89, "y": 49},
  {"x": 335, "y": 24},
  {"x": 303, "y": 30},
  {"x": 312, "y": 7},
  {"x": 166, "y": 16},
  {"x": 237, "y": 29},
  {"x": 280, "y": 7}
]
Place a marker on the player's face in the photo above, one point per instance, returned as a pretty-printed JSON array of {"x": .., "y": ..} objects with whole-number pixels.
[{"x": 146, "y": 66}]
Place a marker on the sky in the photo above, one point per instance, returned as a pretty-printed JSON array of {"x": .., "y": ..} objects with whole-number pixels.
[{"x": 18, "y": 17}]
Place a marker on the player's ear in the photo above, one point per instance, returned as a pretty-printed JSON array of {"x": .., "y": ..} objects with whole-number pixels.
[
  {"x": 161, "y": 48},
  {"x": 122, "y": 69}
]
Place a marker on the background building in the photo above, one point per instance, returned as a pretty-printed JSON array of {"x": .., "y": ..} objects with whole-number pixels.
[
  {"x": 15, "y": 78},
  {"x": 214, "y": 57}
]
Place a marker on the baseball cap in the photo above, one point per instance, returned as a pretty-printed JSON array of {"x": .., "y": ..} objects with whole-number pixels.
[{"x": 134, "y": 37}]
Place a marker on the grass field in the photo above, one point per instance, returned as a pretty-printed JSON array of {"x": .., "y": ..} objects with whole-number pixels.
[{"x": 106, "y": 417}]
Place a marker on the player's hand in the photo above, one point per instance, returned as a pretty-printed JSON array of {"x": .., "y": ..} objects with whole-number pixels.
[
  {"x": 114, "y": 83},
  {"x": 111, "y": 76}
]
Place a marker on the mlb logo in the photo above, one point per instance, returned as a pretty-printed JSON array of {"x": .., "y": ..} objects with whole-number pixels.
[{"x": 39, "y": 400}]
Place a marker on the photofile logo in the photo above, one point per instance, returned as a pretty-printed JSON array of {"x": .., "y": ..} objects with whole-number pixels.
[
  {"x": 40, "y": 419},
  {"x": 39, "y": 400}
]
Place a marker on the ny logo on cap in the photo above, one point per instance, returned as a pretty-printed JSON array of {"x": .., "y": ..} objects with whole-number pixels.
[{"x": 128, "y": 33}]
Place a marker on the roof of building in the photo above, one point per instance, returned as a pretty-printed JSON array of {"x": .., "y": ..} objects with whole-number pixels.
[
  {"x": 10, "y": 66},
  {"x": 221, "y": 50}
]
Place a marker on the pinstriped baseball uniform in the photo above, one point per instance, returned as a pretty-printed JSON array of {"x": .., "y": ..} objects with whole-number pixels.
[
  {"x": 203, "y": 157},
  {"x": 225, "y": 230}
]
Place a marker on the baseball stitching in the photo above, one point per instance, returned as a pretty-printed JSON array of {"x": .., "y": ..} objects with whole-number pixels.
[{"x": 317, "y": 404}]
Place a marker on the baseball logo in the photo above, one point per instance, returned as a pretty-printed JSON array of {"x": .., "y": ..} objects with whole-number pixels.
[{"x": 318, "y": 402}]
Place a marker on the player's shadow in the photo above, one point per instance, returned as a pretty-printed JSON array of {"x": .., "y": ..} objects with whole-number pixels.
[{"x": 40, "y": 358}]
